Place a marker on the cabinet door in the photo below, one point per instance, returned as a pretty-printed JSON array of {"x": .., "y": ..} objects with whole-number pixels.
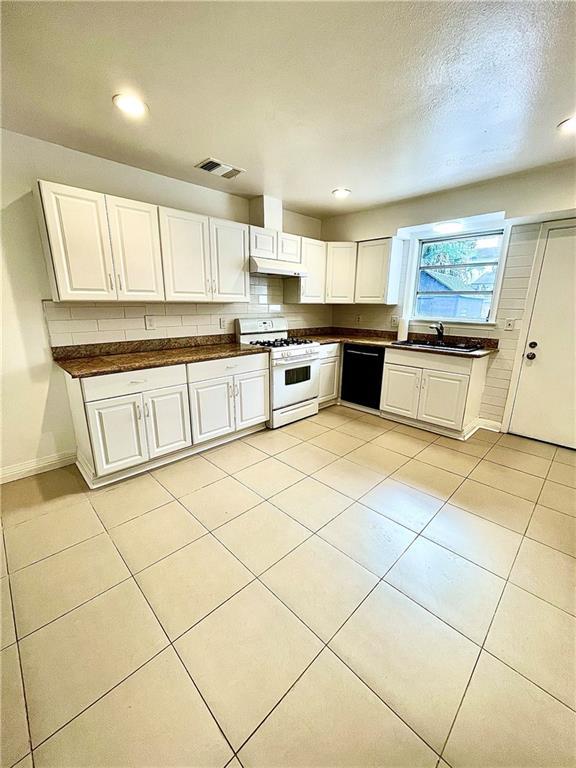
[
  {"x": 329, "y": 379},
  {"x": 117, "y": 432},
  {"x": 252, "y": 398},
  {"x": 313, "y": 288},
  {"x": 229, "y": 260},
  {"x": 443, "y": 398},
  {"x": 167, "y": 418},
  {"x": 185, "y": 241},
  {"x": 135, "y": 237},
  {"x": 212, "y": 408},
  {"x": 79, "y": 240},
  {"x": 289, "y": 247},
  {"x": 401, "y": 390},
  {"x": 263, "y": 242},
  {"x": 340, "y": 273},
  {"x": 372, "y": 271}
]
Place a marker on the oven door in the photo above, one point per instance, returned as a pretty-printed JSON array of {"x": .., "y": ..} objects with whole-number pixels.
[{"x": 294, "y": 381}]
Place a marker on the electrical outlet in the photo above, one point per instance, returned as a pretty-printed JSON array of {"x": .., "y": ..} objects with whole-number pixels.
[
  {"x": 358, "y": 319},
  {"x": 223, "y": 323},
  {"x": 394, "y": 321},
  {"x": 509, "y": 324},
  {"x": 150, "y": 322}
]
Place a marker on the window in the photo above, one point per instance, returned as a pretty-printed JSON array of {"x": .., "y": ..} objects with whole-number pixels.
[{"x": 456, "y": 277}]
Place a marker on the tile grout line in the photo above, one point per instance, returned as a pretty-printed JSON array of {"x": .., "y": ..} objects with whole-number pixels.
[
  {"x": 482, "y": 648},
  {"x": 20, "y": 668}
]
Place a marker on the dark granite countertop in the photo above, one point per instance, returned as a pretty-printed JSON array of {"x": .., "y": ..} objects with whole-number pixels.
[
  {"x": 379, "y": 342},
  {"x": 83, "y": 367}
]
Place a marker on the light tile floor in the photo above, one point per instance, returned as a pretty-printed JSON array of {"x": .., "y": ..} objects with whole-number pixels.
[{"x": 343, "y": 592}]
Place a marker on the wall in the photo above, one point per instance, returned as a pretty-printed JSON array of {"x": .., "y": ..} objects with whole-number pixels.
[
  {"x": 520, "y": 256},
  {"x": 548, "y": 189},
  {"x": 36, "y": 426}
]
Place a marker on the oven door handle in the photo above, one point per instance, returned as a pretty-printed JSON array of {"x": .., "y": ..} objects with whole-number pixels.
[{"x": 292, "y": 360}]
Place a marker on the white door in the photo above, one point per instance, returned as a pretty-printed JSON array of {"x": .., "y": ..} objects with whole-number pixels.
[
  {"x": 401, "y": 390},
  {"x": 212, "y": 408},
  {"x": 289, "y": 247},
  {"x": 252, "y": 398},
  {"x": 329, "y": 379},
  {"x": 545, "y": 404},
  {"x": 313, "y": 289},
  {"x": 79, "y": 240},
  {"x": 443, "y": 398},
  {"x": 263, "y": 242},
  {"x": 117, "y": 432},
  {"x": 135, "y": 237},
  {"x": 229, "y": 261},
  {"x": 185, "y": 240},
  {"x": 340, "y": 273},
  {"x": 167, "y": 418}
]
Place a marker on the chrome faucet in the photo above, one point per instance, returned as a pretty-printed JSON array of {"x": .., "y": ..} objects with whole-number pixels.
[{"x": 439, "y": 328}]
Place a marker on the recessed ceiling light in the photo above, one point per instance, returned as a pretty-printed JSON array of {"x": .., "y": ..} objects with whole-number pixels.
[
  {"x": 567, "y": 126},
  {"x": 131, "y": 105},
  {"x": 340, "y": 193},
  {"x": 448, "y": 227}
]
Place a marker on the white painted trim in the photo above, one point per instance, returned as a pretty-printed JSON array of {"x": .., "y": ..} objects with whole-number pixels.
[
  {"x": 36, "y": 466},
  {"x": 545, "y": 229}
]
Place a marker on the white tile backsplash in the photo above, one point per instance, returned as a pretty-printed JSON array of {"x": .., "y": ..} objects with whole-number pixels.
[{"x": 90, "y": 323}]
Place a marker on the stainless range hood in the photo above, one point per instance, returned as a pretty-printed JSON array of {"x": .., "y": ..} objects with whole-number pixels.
[
  {"x": 266, "y": 212},
  {"x": 276, "y": 267}
]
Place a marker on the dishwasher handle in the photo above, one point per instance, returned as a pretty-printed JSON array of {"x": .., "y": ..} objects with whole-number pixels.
[{"x": 356, "y": 352}]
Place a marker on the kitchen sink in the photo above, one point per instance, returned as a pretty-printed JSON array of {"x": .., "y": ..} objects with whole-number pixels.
[{"x": 440, "y": 345}]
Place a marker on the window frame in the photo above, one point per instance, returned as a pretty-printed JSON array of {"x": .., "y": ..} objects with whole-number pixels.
[{"x": 417, "y": 246}]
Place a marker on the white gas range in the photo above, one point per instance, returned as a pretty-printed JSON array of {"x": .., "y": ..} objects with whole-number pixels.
[{"x": 294, "y": 367}]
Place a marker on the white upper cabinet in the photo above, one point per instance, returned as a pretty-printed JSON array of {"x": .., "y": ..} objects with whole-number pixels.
[
  {"x": 313, "y": 287},
  {"x": 378, "y": 271},
  {"x": 263, "y": 242},
  {"x": 340, "y": 273},
  {"x": 229, "y": 261},
  {"x": 185, "y": 241},
  {"x": 289, "y": 247},
  {"x": 79, "y": 240},
  {"x": 135, "y": 237}
]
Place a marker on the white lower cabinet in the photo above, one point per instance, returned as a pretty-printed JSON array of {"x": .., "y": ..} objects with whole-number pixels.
[
  {"x": 443, "y": 398},
  {"x": 251, "y": 398},
  {"x": 329, "y": 379},
  {"x": 131, "y": 429},
  {"x": 227, "y": 404},
  {"x": 212, "y": 408},
  {"x": 435, "y": 389},
  {"x": 401, "y": 390},
  {"x": 167, "y": 419},
  {"x": 118, "y": 433}
]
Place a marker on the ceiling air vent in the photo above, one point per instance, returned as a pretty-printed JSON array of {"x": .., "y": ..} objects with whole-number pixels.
[{"x": 219, "y": 169}]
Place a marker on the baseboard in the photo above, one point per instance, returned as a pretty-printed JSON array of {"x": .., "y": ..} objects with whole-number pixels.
[
  {"x": 36, "y": 466},
  {"x": 493, "y": 426}
]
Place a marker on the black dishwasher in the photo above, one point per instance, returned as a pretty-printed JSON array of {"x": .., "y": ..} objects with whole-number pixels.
[{"x": 362, "y": 369}]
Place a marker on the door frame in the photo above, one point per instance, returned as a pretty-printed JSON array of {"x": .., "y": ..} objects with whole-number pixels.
[{"x": 537, "y": 264}]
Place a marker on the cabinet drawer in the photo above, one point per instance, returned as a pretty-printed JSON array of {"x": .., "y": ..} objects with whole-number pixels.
[
  {"x": 329, "y": 350},
  {"x": 227, "y": 366},
  {"x": 436, "y": 362},
  {"x": 114, "y": 384}
]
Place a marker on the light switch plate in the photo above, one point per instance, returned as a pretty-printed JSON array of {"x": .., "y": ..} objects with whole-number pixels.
[
  {"x": 394, "y": 321},
  {"x": 509, "y": 324},
  {"x": 150, "y": 322}
]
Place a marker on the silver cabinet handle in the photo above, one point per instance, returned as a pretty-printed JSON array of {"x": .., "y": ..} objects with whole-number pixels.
[
  {"x": 111, "y": 281},
  {"x": 213, "y": 286},
  {"x": 146, "y": 410},
  {"x": 236, "y": 390},
  {"x": 119, "y": 280},
  {"x": 208, "y": 289},
  {"x": 138, "y": 411},
  {"x": 138, "y": 381},
  {"x": 230, "y": 390}
]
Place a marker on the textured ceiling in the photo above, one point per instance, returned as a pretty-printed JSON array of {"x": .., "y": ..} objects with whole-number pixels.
[{"x": 389, "y": 99}]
